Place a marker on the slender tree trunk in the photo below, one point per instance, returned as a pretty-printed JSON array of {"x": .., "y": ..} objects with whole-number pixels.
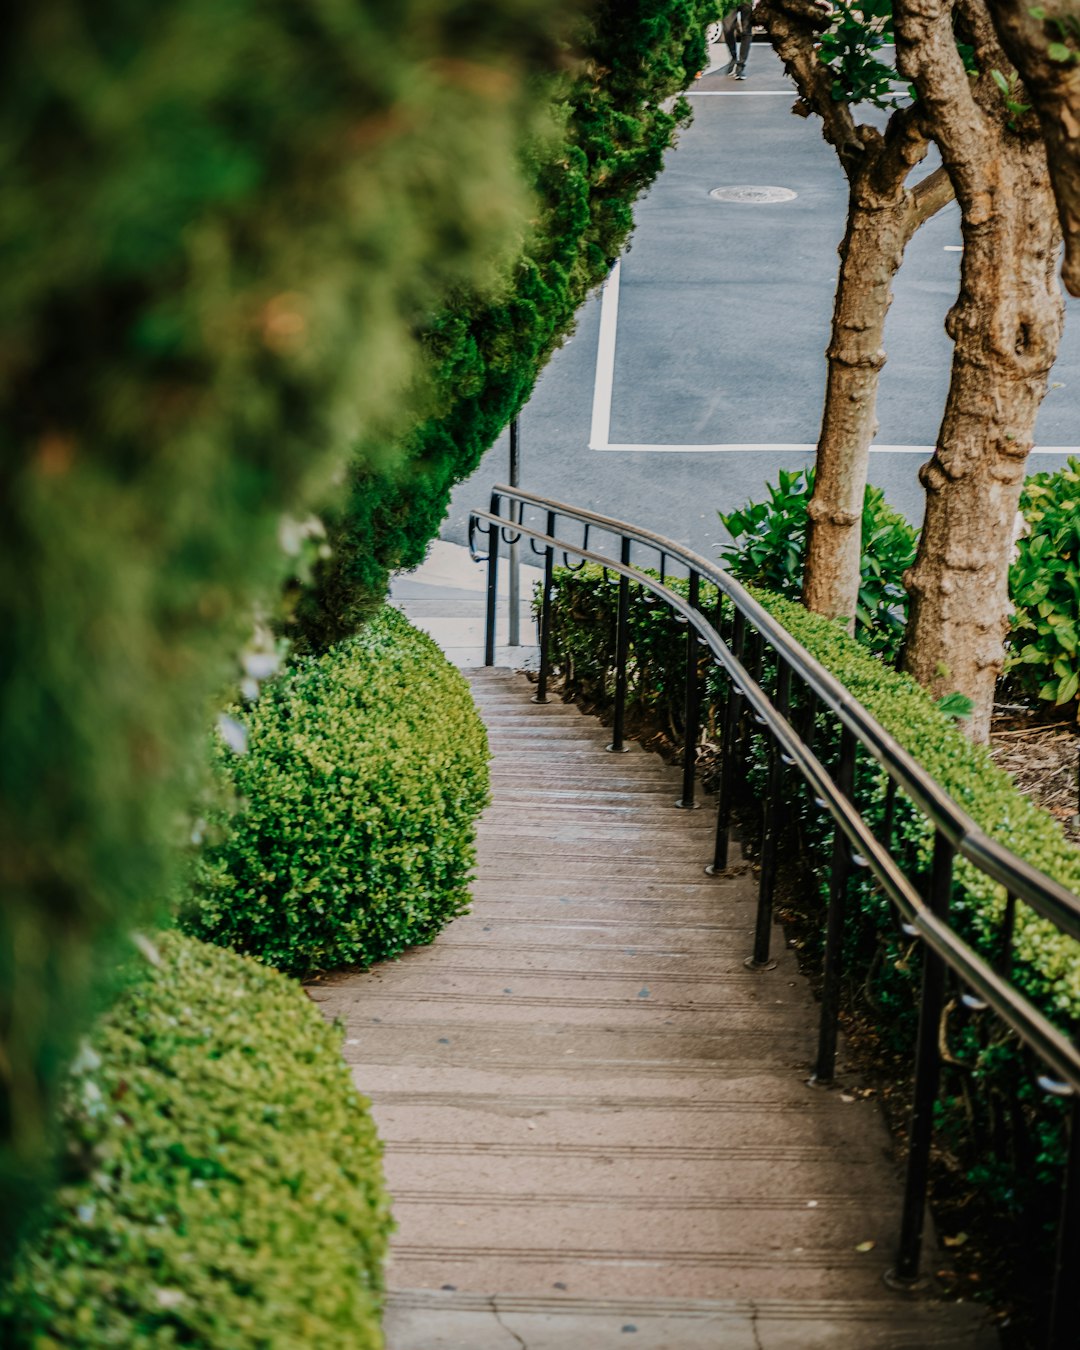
[
  {"x": 1006, "y": 325},
  {"x": 878, "y": 230}
]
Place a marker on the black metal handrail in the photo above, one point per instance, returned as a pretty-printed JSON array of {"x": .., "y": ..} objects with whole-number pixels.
[{"x": 955, "y": 833}]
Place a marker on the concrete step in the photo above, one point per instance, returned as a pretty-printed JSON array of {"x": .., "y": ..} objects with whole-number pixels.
[
  {"x": 590, "y": 1106},
  {"x": 450, "y": 1320}
]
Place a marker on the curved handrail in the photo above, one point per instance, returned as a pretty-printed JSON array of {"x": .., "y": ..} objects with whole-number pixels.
[
  {"x": 954, "y": 831},
  {"x": 1044, "y": 894}
]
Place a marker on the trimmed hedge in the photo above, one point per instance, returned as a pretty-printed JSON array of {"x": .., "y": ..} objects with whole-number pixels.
[
  {"x": 616, "y": 116},
  {"x": 222, "y": 225},
  {"x": 223, "y": 1184},
  {"x": 365, "y": 771}
]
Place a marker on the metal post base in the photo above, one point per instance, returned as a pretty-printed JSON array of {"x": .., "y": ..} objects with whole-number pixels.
[
  {"x": 537, "y": 699},
  {"x": 919, "y": 1285},
  {"x": 682, "y": 805},
  {"x": 617, "y": 749},
  {"x": 751, "y": 964}
]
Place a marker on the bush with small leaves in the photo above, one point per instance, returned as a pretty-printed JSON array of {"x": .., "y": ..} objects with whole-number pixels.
[
  {"x": 353, "y": 837},
  {"x": 222, "y": 1178}
]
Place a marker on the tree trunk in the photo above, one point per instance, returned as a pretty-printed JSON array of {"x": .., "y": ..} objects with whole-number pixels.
[
  {"x": 1027, "y": 33},
  {"x": 879, "y": 227},
  {"x": 1006, "y": 325}
]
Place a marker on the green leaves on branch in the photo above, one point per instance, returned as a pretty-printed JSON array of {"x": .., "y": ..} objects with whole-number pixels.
[
  {"x": 1044, "y": 645},
  {"x": 850, "y": 47},
  {"x": 1066, "y": 48},
  {"x": 769, "y": 550}
]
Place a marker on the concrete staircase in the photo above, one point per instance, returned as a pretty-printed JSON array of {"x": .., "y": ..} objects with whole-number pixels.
[{"x": 598, "y": 1130}]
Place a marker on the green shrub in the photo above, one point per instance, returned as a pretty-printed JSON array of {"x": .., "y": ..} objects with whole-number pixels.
[
  {"x": 221, "y": 227},
  {"x": 616, "y": 117},
  {"x": 365, "y": 771},
  {"x": 769, "y": 550},
  {"x": 222, "y": 1179},
  {"x": 1044, "y": 580}
]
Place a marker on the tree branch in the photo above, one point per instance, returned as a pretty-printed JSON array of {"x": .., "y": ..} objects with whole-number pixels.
[
  {"x": 1054, "y": 89},
  {"x": 926, "y": 54},
  {"x": 929, "y": 195},
  {"x": 793, "y": 27}
]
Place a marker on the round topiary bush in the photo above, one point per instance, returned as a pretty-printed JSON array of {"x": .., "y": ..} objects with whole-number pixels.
[
  {"x": 223, "y": 1181},
  {"x": 358, "y": 793}
]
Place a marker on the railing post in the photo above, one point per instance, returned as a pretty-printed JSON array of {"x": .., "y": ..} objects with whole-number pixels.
[
  {"x": 513, "y": 636},
  {"x": 927, "y": 1075},
  {"x": 770, "y": 832},
  {"x": 729, "y": 734},
  {"x": 622, "y": 650},
  {"x": 545, "y": 616},
  {"x": 691, "y": 705},
  {"x": 494, "y": 536},
  {"x": 825, "y": 1065},
  {"x": 1065, "y": 1300}
]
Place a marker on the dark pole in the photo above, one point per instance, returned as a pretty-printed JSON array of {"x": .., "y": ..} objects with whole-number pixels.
[{"x": 514, "y": 635}]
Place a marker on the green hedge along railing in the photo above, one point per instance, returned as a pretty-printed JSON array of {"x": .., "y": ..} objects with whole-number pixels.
[
  {"x": 222, "y": 1183},
  {"x": 1042, "y": 652},
  {"x": 347, "y": 828},
  {"x": 1009, "y": 1135}
]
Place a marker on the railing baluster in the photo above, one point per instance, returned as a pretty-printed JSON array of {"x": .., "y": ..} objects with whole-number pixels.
[
  {"x": 1065, "y": 1299},
  {"x": 691, "y": 704},
  {"x": 771, "y": 829},
  {"x": 622, "y": 649},
  {"x": 732, "y": 711},
  {"x": 494, "y": 534},
  {"x": 927, "y": 1076},
  {"x": 825, "y": 1065},
  {"x": 545, "y": 616}
]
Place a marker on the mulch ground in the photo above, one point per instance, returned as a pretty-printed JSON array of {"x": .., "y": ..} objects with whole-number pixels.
[{"x": 1044, "y": 760}]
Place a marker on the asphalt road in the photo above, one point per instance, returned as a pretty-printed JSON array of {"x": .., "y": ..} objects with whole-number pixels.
[{"x": 719, "y": 323}]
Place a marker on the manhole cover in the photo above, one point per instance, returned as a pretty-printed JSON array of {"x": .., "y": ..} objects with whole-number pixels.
[{"x": 753, "y": 196}]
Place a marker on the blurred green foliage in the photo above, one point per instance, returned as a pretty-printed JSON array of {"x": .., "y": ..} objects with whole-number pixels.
[
  {"x": 616, "y": 120},
  {"x": 1044, "y": 580},
  {"x": 223, "y": 222},
  {"x": 769, "y": 550},
  {"x": 222, "y": 1178},
  {"x": 358, "y": 793}
]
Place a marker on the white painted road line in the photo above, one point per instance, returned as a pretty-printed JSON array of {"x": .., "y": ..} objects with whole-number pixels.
[
  {"x": 605, "y": 361},
  {"x": 603, "y": 390},
  {"x": 791, "y": 448}
]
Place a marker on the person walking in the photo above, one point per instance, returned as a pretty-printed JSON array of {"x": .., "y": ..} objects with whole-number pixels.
[{"x": 738, "y": 28}]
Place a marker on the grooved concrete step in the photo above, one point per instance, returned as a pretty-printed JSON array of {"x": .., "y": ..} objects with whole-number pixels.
[
  {"x": 597, "y": 1123},
  {"x": 450, "y": 1320}
]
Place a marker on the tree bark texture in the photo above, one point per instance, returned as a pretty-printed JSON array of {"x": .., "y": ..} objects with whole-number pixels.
[
  {"x": 879, "y": 226},
  {"x": 1006, "y": 326},
  {"x": 1054, "y": 89},
  {"x": 883, "y": 213}
]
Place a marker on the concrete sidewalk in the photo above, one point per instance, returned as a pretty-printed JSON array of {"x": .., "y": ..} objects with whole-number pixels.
[{"x": 446, "y": 596}]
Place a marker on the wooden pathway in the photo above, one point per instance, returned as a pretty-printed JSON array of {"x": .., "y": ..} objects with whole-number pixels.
[{"x": 598, "y": 1130}]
